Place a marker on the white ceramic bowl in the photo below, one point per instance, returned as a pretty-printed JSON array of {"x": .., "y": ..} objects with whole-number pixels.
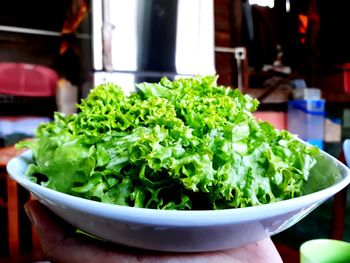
[{"x": 169, "y": 230}]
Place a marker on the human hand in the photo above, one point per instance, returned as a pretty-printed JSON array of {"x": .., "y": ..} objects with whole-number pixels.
[{"x": 61, "y": 243}]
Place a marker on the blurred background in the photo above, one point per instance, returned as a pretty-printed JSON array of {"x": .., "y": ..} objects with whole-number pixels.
[{"x": 292, "y": 55}]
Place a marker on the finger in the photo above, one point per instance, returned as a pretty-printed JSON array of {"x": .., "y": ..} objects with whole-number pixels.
[
  {"x": 51, "y": 229},
  {"x": 257, "y": 252},
  {"x": 60, "y": 243}
]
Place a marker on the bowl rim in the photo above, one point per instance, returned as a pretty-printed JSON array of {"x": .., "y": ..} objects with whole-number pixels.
[{"x": 176, "y": 217}]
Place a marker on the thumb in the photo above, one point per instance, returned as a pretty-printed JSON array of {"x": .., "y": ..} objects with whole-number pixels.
[{"x": 50, "y": 229}]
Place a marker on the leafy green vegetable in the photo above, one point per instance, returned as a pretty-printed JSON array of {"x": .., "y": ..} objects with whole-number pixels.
[
  {"x": 186, "y": 144},
  {"x": 324, "y": 174}
]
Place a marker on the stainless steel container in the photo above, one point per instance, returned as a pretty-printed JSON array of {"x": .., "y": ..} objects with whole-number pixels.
[{"x": 144, "y": 40}]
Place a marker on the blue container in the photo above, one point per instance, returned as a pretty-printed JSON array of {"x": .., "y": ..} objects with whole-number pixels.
[{"x": 306, "y": 119}]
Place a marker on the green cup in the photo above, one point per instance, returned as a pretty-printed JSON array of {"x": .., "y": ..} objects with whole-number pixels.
[{"x": 325, "y": 251}]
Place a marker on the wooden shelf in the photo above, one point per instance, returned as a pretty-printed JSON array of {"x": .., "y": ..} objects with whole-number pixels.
[{"x": 337, "y": 97}]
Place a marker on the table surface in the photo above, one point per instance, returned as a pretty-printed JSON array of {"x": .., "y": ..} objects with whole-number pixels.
[{"x": 7, "y": 153}]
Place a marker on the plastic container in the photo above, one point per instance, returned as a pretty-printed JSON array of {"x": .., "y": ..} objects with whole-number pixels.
[
  {"x": 346, "y": 150},
  {"x": 306, "y": 119},
  {"x": 325, "y": 251}
]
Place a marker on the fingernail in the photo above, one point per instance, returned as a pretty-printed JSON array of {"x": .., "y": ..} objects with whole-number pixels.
[{"x": 29, "y": 214}]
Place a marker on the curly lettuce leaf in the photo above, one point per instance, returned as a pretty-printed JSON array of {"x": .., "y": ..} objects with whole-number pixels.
[{"x": 183, "y": 144}]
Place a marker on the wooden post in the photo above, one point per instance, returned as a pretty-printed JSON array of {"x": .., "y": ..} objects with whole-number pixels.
[{"x": 12, "y": 207}]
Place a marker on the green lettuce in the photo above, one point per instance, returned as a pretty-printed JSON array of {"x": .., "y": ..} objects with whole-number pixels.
[{"x": 183, "y": 144}]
